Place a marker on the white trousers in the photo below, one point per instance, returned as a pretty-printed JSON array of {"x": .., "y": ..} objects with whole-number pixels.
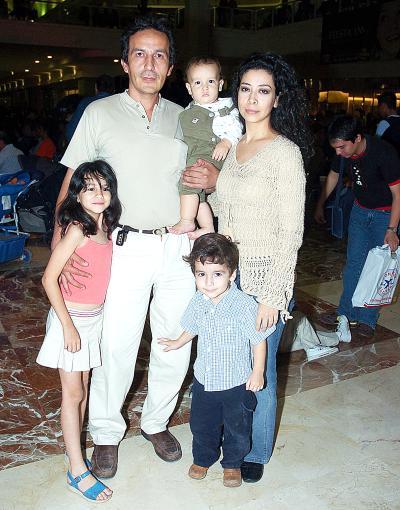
[{"x": 143, "y": 263}]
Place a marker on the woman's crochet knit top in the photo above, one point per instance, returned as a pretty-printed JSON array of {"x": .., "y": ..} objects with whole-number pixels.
[{"x": 260, "y": 205}]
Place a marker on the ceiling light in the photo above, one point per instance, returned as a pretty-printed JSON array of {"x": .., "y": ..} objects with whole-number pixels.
[
  {"x": 49, "y": 56},
  {"x": 12, "y": 73},
  {"x": 27, "y": 70},
  {"x": 115, "y": 60},
  {"x": 37, "y": 61}
]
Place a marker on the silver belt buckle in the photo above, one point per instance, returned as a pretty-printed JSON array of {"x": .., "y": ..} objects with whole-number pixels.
[{"x": 158, "y": 231}]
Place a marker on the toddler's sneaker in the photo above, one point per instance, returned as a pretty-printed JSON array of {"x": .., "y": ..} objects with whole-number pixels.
[
  {"x": 343, "y": 329},
  {"x": 319, "y": 351}
]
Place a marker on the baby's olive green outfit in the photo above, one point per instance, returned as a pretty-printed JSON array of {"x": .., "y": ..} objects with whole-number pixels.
[{"x": 196, "y": 123}]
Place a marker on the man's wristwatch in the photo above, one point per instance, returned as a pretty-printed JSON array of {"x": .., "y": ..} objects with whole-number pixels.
[{"x": 392, "y": 229}]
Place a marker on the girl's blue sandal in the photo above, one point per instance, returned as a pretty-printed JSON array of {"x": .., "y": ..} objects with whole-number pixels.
[{"x": 91, "y": 493}]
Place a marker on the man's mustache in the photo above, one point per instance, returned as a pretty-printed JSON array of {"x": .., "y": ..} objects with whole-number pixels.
[{"x": 148, "y": 74}]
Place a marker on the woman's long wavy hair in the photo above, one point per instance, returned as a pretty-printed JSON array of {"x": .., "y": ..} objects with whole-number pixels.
[
  {"x": 71, "y": 211},
  {"x": 290, "y": 117}
]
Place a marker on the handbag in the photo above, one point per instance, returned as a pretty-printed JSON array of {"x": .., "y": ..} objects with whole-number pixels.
[
  {"x": 337, "y": 226},
  {"x": 377, "y": 283}
]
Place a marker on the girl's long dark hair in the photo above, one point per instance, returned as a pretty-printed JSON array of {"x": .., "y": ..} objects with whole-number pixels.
[
  {"x": 71, "y": 211},
  {"x": 290, "y": 117}
]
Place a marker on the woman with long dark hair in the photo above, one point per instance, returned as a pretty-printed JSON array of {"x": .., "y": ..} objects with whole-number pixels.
[{"x": 259, "y": 201}]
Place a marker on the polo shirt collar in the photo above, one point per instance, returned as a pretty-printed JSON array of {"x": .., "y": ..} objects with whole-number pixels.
[{"x": 160, "y": 105}]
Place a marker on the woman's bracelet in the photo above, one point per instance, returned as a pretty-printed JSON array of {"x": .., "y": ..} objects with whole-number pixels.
[{"x": 392, "y": 229}]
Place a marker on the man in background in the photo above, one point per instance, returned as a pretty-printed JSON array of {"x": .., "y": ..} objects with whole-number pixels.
[
  {"x": 389, "y": 127},
  {"x": 9, "y": 163},
  {"x": 104, "y": 87},
  {"x": 374, "y": 170}
]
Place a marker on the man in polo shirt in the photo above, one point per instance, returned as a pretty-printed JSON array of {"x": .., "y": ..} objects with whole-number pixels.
[
  {"x": 135, "y": 132},
  {"x": 374, "y": 169}
]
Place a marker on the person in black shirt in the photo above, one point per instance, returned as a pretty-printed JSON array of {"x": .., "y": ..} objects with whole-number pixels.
[{"x": 374, "y": 169}]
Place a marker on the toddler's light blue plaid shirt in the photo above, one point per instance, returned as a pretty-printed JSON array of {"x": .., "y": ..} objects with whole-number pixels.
[{"x": 226, "y": 331}]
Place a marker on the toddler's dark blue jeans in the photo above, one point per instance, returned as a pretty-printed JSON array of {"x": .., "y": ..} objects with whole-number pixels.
[{"x": 221, "y": 418}]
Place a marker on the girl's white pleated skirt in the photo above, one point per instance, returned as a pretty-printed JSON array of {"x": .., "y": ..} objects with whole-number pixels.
[{"x": 89, "y": 325}]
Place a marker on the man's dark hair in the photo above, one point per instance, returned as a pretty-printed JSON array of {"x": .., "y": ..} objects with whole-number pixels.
[
  {"x": 105, "y": 83},
  {"x": 215, "y": 249},
  {"x": 389, "y": 99},
  {"x": 149, "y": 22},
  {"x": 345, "y": 128},
  {"x": 5, "y": 137}
]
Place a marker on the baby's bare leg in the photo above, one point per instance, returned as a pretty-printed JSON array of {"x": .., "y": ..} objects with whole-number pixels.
[
  {"x": 205, "y": 221},
  {"x": 189, "y": 208}
]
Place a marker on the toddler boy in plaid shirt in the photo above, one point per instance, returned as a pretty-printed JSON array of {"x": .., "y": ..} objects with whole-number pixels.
[{"x": 230, "y": 359}]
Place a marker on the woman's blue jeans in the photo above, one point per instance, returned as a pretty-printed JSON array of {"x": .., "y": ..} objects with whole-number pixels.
[
  {"x": 263, "y": 431},
  {"x": 367, "y": 229},
  {"x": 264, "y": 417}
]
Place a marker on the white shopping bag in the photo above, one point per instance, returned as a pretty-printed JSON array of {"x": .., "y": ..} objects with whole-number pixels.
[{"x": 378, "y": 279}]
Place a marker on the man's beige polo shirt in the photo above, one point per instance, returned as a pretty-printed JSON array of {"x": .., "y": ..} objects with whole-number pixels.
[{"x": 146, "y": 156}]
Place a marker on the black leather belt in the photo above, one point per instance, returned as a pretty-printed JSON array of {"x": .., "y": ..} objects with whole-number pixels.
[{"x": 122, "y": 234}]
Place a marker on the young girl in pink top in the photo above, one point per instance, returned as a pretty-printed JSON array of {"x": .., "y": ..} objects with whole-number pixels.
[{"x": 87, "y": 217}]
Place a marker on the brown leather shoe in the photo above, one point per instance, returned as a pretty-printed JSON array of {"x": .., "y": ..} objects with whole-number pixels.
[
  {"x": 197, "y": 472},
  {"x": 105, "y": 460},
  {"x": 165, "y": 445},
  {"x": 232, "y": 477}
]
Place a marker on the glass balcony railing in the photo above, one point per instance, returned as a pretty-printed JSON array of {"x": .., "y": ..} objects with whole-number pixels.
[
  {"x": 107, "y": 16},
  {"x": 293, "y": 11},
  {"x": 78, "y": 12},
  {"x": 110, "y": 15}
]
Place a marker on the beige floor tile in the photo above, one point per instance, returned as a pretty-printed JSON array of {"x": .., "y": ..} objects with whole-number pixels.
[
  {"x": 337, "y": 448},
  {"x": 327, "y": 291}
]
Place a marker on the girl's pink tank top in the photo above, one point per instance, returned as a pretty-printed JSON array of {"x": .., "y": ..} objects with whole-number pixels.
[{"x": 98, "y": 256}]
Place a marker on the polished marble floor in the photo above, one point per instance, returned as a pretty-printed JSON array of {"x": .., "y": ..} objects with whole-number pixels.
[
  {"x": 337, "y": 448},
  {"x": 30, "y": 397}
]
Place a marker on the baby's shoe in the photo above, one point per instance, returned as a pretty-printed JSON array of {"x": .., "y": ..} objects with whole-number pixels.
[{"x": 343, "y": 329}]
